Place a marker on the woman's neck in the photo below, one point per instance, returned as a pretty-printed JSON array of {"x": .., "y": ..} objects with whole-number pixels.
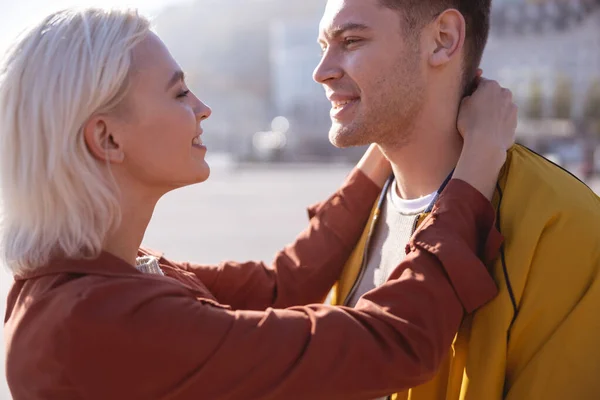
[{"x": 125, "y": 241}]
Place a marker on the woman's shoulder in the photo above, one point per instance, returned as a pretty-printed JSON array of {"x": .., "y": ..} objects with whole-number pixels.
[{"x": 76, "y": 291}]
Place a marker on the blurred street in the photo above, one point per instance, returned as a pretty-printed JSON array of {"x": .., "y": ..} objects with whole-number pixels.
[{"x": 240, "y": 214}]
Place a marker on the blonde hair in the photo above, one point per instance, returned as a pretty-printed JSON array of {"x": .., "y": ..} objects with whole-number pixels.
[{"x": 57, "y": 199}]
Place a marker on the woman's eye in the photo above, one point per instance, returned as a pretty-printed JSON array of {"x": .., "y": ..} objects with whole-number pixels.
[{"x": 183, "y": 94}]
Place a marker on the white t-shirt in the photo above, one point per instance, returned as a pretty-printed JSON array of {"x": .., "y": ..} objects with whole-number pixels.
[
  {"x": 408, "y": 207},
  {"x": 392, "y": 233}
]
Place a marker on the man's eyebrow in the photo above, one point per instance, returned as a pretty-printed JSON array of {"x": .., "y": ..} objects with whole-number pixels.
[
  {"x": 338, "y": 31},
  {"x": 177, "y": 77}
]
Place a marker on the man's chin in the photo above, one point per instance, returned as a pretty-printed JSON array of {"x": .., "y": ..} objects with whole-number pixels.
[{"x": 343, "y": 137}]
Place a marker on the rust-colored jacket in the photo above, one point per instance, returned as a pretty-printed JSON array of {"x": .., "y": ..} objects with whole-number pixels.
[{"x": 99, "y": 329}]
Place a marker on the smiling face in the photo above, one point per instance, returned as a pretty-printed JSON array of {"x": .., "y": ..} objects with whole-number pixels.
[
  {"x": 371, "y": 72},
  {"x": 159, "y": 129}
]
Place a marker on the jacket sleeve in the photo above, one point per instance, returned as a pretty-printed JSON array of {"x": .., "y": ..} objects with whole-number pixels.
[
  {"x": 554, "y": 350},
  {"x": 303, "y": 272},
  {"x": 158, "y": 341}
]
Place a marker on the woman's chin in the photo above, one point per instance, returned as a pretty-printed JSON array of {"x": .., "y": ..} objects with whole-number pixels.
[
  {"x": 200, "y": 174},
  {"x": 203, "y": 173}
]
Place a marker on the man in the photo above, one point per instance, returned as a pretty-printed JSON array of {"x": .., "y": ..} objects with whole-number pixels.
[{"x": 396, "y": 72}]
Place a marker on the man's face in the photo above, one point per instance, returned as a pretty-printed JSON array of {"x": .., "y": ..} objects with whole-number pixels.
[{"x": 371, "y": 72}]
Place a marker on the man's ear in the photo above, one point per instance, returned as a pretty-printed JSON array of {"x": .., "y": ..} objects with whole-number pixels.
[
  {"x": 447, "y": 37},
  {"x": 101, "y": 142}
]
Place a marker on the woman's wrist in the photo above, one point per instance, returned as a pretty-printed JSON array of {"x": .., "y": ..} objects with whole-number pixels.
[{"x": 480, "y": 167}]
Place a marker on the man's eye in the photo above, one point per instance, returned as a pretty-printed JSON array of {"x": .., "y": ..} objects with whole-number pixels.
[{"x": 350, "y": 41}]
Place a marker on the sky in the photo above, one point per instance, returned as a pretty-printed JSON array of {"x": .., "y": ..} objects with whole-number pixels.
[{"x": 18, "y": 14}]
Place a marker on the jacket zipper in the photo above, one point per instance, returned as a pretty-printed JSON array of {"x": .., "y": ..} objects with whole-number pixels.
[{"x": 363, "y": 265}]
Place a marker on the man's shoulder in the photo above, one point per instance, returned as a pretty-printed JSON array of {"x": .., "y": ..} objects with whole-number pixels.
[
  {"x": 545, "y": 210},
  {"x": 536, "y": 185},
  {"x": 550, "y": 221}
]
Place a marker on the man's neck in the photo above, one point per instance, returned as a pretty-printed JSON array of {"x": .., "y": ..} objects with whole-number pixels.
[
  {"x": 433, "y": 146},
  {"x": 421, "y": 166}
]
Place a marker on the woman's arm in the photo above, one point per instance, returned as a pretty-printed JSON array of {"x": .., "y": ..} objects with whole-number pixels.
[
  {"x": 304, "y": 271},
  {"x": 159, "y": 341}
]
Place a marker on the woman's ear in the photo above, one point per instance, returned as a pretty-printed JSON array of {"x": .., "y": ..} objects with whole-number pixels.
[{"x": 101, "y": 142}]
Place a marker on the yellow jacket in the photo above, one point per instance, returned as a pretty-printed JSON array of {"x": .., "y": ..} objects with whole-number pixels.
[{"x": 540, "y": 337}]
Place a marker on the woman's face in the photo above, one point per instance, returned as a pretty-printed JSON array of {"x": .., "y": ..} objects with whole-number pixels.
[{"x": 160, "y": 125}]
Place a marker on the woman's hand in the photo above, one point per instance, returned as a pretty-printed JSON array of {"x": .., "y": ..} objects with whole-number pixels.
[{"x": 487, "y": 121}]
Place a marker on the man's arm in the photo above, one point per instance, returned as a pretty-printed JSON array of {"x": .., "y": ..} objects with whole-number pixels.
[{"x": 554, "y": 350}]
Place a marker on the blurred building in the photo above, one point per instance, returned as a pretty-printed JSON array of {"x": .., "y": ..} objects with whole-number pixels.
[
  {"x": 543, "y": 43},
  {"x": 226, "y": 48},
  {"x": 252, "y": 60},
  {"x": 294, "y": 55}
]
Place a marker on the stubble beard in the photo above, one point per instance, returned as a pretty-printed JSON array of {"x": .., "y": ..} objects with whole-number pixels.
[{"x": 389, "y": 118}]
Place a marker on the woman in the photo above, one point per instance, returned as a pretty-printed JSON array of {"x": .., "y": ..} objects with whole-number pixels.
[{"x": 96, "y": 125}]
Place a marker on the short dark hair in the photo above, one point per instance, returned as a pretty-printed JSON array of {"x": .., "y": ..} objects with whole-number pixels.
[{"x": 477, "y": 16}]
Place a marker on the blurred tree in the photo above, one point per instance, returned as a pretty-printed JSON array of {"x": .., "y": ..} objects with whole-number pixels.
[
  {"x": 563, "y": 98},
  {"x": 500, "y": 20},
  {"x": 591, "y": 111},
  {"x": 563, "y": 16},
  {"x": 592, "y": 101},
  {"x": 535, "y": 106}
]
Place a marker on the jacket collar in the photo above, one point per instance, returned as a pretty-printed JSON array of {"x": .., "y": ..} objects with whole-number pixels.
[{"x": 105, "y": 264}]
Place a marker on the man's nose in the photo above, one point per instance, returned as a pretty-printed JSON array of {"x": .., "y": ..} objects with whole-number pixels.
[{"x": 328, "y": 69}]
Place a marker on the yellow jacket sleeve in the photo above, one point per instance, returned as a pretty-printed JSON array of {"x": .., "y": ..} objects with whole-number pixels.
[{"x": 554, "y": 342}]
